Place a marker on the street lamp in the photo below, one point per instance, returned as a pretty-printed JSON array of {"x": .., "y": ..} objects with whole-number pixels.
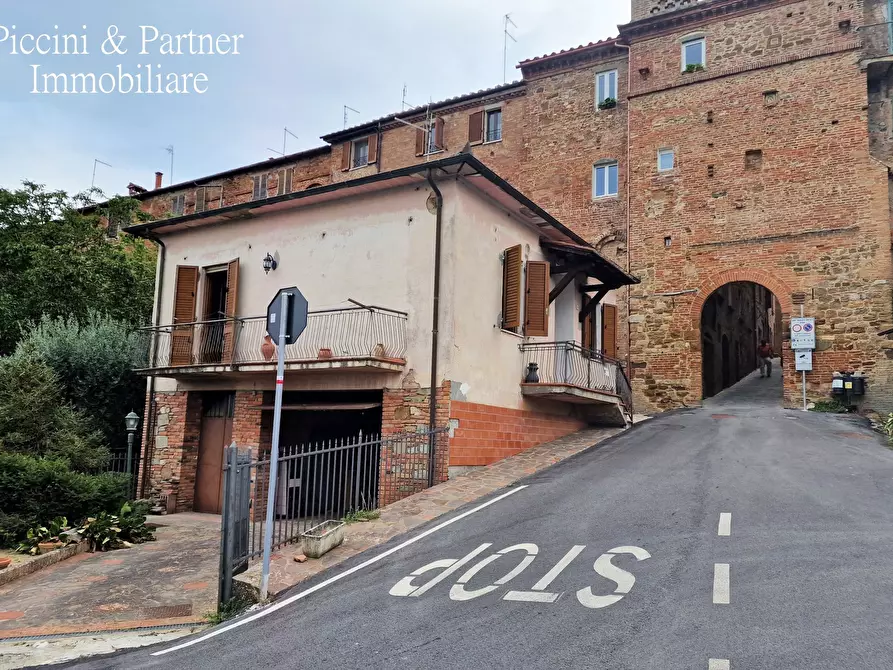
[{"x": 131, "y": 422}]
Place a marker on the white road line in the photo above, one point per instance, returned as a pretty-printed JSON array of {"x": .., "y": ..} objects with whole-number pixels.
[
  {"x": 365, "y": 564},
  {"x": 718, "y": 664},
  {"x": 550, "y": 576},
  {"x": 721, "y": 584},
  {"x": 725, "y": 524}
]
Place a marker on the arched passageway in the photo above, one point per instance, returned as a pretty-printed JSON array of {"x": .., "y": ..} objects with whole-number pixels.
[{"x": 735, "y": 319}]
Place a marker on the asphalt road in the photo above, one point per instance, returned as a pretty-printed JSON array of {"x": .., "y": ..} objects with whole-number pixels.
[{"x": 808, "y": 550}]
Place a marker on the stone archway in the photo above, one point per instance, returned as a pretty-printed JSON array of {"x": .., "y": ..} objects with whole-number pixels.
[{"x": 720, "y": 364}]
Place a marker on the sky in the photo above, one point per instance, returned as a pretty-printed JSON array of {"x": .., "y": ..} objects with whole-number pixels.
[{"x": 299, "y": 63}]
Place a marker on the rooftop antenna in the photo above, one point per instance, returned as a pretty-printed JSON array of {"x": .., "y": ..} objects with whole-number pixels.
[
  {"x": 405, "y": 104},
  {"x": 286, "y": 132},
  {"x": 96, "y": 162},
  {"x": 170, "y": 149},
  {"x": 505, "y": 44},
  {"x": 349, "y": 109}
]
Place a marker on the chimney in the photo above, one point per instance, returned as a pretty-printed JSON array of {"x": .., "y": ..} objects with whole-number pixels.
[{"x": 158, "y": 178}]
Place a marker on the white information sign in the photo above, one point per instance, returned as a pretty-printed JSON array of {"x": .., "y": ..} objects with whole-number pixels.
[
  {"x": 803, "y": 360},
  {"x": 802, "y": 333}
]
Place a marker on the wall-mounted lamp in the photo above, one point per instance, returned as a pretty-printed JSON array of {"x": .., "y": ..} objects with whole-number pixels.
[{"x": 269, "y": 263}]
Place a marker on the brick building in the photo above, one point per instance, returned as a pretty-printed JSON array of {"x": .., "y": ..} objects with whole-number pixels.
[{"x": 712, "y": 142}]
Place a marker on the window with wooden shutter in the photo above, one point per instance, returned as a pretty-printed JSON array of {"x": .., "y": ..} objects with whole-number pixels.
[
  {"x": 420, "y": 138},
  {"x": 373, "y": 149},
  {"x": 285, "y": 180},
  {"x": 511, "y": 287},
  {"x": 476, "y": 128},
  {"x": 345, "y": 156},
  {"x": 229, "y": 326},
  {"x": 589, "y": 332},
  {"x": 178, "y": 206},
  {"x": 609, "y": 330},
  {"x": 536, "y": 304},
  {"x": 185, "y": 289},
  {"x": 199, "y": 200}
]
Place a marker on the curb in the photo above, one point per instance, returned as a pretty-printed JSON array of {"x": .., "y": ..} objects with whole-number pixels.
[
  {"x": 120, "y": 627},
  {"x": 43, "y": 561}
]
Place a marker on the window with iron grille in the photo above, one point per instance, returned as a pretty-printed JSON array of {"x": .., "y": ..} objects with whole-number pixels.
[
  {"x": 360, "y": 155},
  {"x": 178, "y": 206},
  {"x": 494, "y": 126}
]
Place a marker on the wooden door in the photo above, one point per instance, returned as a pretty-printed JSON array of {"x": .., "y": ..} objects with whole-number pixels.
[{"x": 216, "y": 433}]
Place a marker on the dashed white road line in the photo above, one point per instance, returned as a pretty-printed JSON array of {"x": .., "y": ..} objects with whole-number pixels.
[
  {"x": 331, "y": 580},
  {"x": 725, "y": 524},
  {"x": 721, "y": 584},
  {"x": 718, "y": 664}
]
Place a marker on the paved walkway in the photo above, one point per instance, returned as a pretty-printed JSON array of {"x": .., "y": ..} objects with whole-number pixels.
[
  {"x": 753, "y": 391},
  {"x": 425, "y": 506},
  {"x": 171, "y": 580}
]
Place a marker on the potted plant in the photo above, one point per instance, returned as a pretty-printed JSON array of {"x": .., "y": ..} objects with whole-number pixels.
[
  {"x": 694, "y": 67},
  {"x": 44, "y": 539},
  {"x": 608, "y": 103},
  {"x": 5, "y": 563},
  {"x": 267, "y": 349},
  {"x": 325, "y": 353}
]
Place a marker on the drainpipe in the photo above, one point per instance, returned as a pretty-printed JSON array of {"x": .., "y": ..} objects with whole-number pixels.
[
  {"x": 432, "y": 413},
  {"x": 629, "y": 288},
  {"x": 150, "y": 382}
]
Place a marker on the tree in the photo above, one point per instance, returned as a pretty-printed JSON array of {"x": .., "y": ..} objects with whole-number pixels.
[
  {"x": 94, "y": 362},
  {"x": 56, "y": 260}
]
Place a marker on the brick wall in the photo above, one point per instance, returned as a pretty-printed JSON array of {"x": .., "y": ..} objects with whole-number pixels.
[
  {"x": 175, "y": 453},
  {"x": 486, "y": 433},
  {"x": 248, "y": 420}
]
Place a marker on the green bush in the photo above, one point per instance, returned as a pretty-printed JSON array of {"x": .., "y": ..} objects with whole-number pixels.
[
  {"x": 93, "y": 359},
  {"x": 36, "y": 420},
  {"x": 34, "y": 491}
]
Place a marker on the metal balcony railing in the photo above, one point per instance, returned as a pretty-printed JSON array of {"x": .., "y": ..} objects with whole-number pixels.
[
  {"x": 352, "y": 333},
  {"x": 493, "y": 134},
  {"x": 571, "y": 364}
]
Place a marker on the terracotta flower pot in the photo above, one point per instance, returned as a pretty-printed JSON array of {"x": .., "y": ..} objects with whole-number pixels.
[
  {"x": 267, "y": 349},
  {"x": 46, "y": 547},
  {"x": 325, "y": 353},
  {"x": 5, "y": 563}
]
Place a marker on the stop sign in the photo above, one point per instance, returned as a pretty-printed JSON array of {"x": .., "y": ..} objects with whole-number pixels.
[{"x": 296, "y": 319}]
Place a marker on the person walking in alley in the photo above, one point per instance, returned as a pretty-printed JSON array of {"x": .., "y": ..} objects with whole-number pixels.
[{"x": 764, "y": 351}]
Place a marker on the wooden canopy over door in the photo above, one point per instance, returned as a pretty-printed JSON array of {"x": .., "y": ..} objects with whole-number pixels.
[
  {"x": 229, "y": 327},
  {"x": 184, "y": 313}
]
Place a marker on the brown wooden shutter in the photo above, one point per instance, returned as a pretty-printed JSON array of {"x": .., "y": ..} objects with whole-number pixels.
[
  {"x": 199, "y": 200},
  {"x": 476, "y": 128},
  {"x": 589, "y": 332},
  {"x": 511, "y": 288},
  {"x": 536, "y": 306},
  {"x": 345, "y": 155},
  {"x": 373, "y": 149},
  {"x": 420, "y": 142},
  {"x": 232, "y": 294},
  {"x": 289, "y": 179},
  {"x": 609, "y": 330},
  {"x": 185, "y": 290},
  {"x": 438, "y": 133}
]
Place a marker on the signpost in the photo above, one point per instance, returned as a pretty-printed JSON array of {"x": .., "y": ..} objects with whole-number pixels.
[
  {"x": 286, "y": 320},
  {"x": 803, "y": 343}
]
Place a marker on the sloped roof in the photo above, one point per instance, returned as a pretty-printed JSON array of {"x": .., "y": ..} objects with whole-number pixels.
[{"x": 568, "y": 52}]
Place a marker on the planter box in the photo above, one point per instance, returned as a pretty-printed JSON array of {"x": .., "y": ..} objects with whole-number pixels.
[
  {"x": 13, "y": 572},
  {"x": 322, "y": 538}
]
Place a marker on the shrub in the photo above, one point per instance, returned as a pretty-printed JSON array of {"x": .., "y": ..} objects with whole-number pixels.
[
  {"x": 94, "y": 361},
  {"x": 34, "y": 491},
  {"x": 35, "y": 419}
]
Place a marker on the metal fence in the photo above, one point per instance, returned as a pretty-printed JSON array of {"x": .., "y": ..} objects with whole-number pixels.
[
  {"x": 570, "y": 363},
  {"x": 357, "y": 332},
  {"x": 117, "y": 463},
  {"x": 318, "y": 482}
]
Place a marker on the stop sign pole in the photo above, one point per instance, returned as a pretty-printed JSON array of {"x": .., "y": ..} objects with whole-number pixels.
[{"x": 285, "y": 299}]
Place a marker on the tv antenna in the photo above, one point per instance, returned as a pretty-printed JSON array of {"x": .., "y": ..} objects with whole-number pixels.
[
  {"x": 506, "y": 21},
  {"x": 170, "y": 150},
  {"x": 285, "y": 133},
  {"x": 349, "y": 109},
  {"x": 404, "y": 104},
  {"x": 96, "y": 162}
]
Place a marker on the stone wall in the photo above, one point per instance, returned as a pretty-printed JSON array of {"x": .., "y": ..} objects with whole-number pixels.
[{"x": 174, "y": 455}]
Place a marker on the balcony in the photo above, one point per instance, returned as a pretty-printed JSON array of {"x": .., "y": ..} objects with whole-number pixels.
[
  {"x": 569, "y": 373},
  {"x": 361, "y": 338}
]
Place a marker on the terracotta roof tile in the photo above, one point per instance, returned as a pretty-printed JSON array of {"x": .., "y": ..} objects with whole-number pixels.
[{"x": 565, "y": 52}]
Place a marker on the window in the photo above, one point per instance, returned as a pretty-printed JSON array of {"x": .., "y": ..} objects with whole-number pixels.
[
  {"x": 694, "y": 54},
  {"x": 179, "y": 205},
  {"x": 494, "y": 126},
  {"x": 286, "y": 177},
  {"x": 431, "y": 139},
  {"x": 605, "y": 87},
  {"x": 604, "y": 180},
  {"x": 666, "y": 160},
  {"x": 200, "y": 200},
  {"x": 260, "y": 187},
  {"x": 360, "y": 153}
]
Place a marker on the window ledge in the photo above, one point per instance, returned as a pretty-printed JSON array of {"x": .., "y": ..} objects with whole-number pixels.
[
  {"x": 602, "y": 198},
  {"x": 433, "y": 153},
  {"x": 492, "y": 141},
  {"x": 511, "y": 332}
]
